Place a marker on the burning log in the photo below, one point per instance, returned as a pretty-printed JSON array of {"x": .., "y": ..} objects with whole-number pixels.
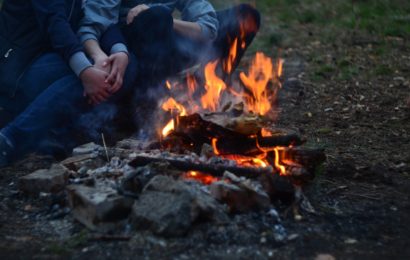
[
  {"x": 303, "y": 156},
  {"x": 193, "y": 131},
  {"x": 215, "y": 170}
]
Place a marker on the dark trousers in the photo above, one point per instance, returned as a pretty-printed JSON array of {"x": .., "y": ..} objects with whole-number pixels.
[
  {"x": 52, "y": 107},
  {"x": 161, "y": 52}
]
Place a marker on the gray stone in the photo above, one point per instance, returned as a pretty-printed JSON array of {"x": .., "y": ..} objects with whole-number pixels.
[
  {"x": 169, "y": 207},
  {"x": 98, "y": 207},
  {"x": 51, "y": 180},
  {"x": 86, "y": 149},
  {"x": 240, "y": 197},
  {"x": 90, "y": 161},
  {"x": 163, "y": 213},
  {"x": 203, "y": 205}
]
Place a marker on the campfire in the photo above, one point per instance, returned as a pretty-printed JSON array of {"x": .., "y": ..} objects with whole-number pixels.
[
  {"x": 217, "y": 152},
  {"x": 233, "y": 122}
]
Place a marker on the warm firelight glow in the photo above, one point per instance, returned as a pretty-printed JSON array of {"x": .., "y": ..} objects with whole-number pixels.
[
  {"x": 201, "y": 177},
  {"x": 191, "y": 83},
  {"x": 259, "y": 75},
  {"x": 172, "y": 105},
  {"x": 168, "y": 84},
  {"x": 230, "y": 60},
  {"x": 266, "y": 133},
  {"x": 214, "y": 141},
  {"x": 168, "y": 128},
  {"x": 259, "y": 162},
  {"x": 278, "y": 165},
  {"x": 213, "y": 86},
  {"x": 280, "y": 68}
]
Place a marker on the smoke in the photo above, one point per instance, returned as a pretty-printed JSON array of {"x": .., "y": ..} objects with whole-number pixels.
[{"x": 99, "y": 120}]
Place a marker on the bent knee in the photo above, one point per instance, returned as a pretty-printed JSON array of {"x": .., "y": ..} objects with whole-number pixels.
[{"x": 157, "y": 16}]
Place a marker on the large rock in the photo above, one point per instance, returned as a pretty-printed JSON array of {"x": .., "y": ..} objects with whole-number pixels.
[
  {"x": 163, "y": 213},
  {"x": 51, "y": 180},
  {"x": 169, "y": 207},
  {"x": 98, "y": 207}
]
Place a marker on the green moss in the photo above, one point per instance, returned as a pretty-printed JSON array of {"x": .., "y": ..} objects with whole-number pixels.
[{"x": 382, "y": 70}]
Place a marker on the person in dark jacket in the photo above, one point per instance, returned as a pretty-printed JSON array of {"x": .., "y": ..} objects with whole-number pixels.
[
  {"x": 165, "y": 45},
  {"x": 45, "y": 73}
]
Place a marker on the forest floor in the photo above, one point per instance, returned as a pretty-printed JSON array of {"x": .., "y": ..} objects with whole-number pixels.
[{"x": 352, "y": 97}]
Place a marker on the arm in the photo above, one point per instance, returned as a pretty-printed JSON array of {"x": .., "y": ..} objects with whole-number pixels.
[
  {"x": 98, "y": 17},
  {"x": 199, "y": 20},
  {"x": 53, "y": 20},
  {"x": 98, "y": 22},
  {"x": 189, "y": 29}
]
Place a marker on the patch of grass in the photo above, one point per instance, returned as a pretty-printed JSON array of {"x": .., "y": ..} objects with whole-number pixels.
[
  {"x": 380, "y": 17},
  {"x": 324, "y": 71},
  {"x": 382, "y": 70}
]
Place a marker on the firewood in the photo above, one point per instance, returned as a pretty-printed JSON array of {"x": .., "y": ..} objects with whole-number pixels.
[
  {"x": 308, "y": 157},
  {"x": 215, "y": 170},
  {"x": 295, "y": 173}
]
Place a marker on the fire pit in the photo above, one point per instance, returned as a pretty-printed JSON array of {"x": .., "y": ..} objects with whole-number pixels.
[{"x": 218, "y": 153}]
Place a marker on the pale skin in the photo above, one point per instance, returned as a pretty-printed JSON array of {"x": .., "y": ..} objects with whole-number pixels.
[
  {"x": 106, "y": 76},
  {"x": 189, "y": 29}
]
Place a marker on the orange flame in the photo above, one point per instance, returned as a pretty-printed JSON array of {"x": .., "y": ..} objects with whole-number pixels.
[
  {"x": 265, "y": 132},
  {"x": 259, "y": 75},
  {"x": 230, "y": 60},
  {"x": 191, "y": 83},
  {"x": 214, "y": 141},
  {"x": 214, "y": 87},
  {"x": 172, "y": 105},
  {"x": 168, "y": 84},
  {"x": 278, "y": 165},
  {"x": 201, "y": 177},
  {"x": 168, "y": 128},
  {"x": 280, "y": 68}
]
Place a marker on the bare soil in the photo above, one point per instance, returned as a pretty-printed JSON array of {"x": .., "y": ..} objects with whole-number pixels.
[{"x": 350, "y": 95}]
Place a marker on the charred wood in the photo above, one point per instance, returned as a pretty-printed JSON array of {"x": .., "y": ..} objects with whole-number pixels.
[{"x": 215, "y": 170}]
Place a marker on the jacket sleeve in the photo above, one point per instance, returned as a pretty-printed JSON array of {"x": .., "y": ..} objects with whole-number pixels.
[
  {"x": 53, "y": 20},
  {"x": 201, "y": 12},
  {"x": 98, "y": 16},
  {"x": 112, "y": 41}
]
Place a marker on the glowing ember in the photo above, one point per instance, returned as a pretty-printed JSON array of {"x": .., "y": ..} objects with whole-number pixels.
[
  {"x": 201, "y": 177},
  {"x": 214, "y": 141},
  {"x": 265, "y": 132},
  {"x": 214, "y": 87}
]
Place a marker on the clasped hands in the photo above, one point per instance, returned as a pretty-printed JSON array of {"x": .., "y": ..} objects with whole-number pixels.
[{"x": 105, "y": 77}]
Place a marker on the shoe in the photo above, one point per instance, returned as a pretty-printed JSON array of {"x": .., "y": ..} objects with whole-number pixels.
[{"x": 6, "y": 151}]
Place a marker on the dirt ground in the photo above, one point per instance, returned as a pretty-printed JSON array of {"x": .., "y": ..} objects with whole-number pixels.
[{"x": 348, "y": 91}]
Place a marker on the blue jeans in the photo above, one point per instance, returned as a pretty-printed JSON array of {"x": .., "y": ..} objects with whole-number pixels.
[
  {"x": 47, "y": 69},
  {"x": 57, "y": 103}
]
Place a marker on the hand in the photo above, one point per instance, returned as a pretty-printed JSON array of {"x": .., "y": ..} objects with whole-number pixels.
[
  {"x": 101, "y": 62},
  {"x": 119, "y": 63},
  {"x": 134, "y": 12},
  {"x": 94, "y": 84}
]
